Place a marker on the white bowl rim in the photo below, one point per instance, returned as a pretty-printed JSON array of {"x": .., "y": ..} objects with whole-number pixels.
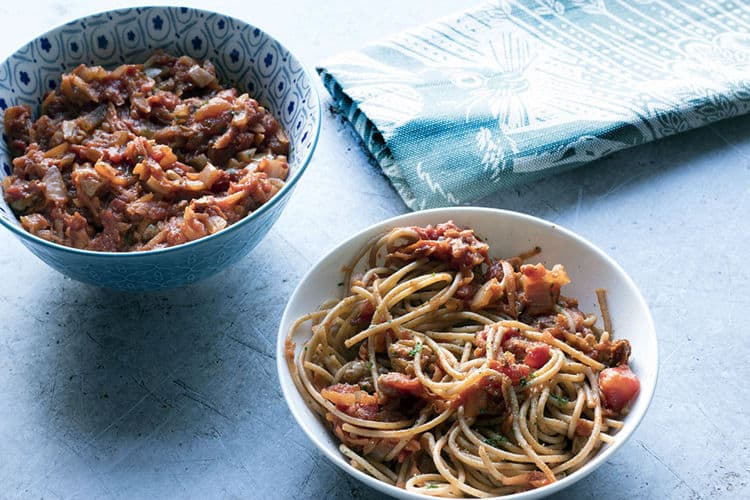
[
  {"x": 440, "y": 215},
  {"x": 284, "y": 191}
]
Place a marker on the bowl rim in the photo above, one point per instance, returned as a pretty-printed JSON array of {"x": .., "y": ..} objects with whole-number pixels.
[
  {"x": 283, "y": 192},
  {"x": 288, "y": 389}
]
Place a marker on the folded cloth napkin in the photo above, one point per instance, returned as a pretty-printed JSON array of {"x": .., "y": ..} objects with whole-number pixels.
[{"x": 517, "y": 89}]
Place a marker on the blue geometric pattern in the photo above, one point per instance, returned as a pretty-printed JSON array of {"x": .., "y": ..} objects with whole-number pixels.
[
  {"x": 244, "y": 56},
  {"x": 517, "y": 89}
]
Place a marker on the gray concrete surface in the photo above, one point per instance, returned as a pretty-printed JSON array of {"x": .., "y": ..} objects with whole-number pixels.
[{"x": 174, "y": 394}]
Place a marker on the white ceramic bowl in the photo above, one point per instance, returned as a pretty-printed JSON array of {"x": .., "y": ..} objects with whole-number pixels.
[{"x": 508, "y": 233}]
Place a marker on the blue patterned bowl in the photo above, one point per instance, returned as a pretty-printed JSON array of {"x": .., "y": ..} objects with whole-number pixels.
[{"x": 243, "y": 55}]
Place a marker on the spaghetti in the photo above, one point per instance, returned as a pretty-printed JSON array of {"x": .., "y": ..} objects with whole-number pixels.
[{"x": 450, "y": 373}]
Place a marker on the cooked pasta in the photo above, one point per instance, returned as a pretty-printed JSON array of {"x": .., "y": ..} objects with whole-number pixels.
[{"x": 449, "y": 373}]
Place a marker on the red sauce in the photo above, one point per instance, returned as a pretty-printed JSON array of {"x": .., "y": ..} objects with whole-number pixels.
[{"x": 144, "y": 156}]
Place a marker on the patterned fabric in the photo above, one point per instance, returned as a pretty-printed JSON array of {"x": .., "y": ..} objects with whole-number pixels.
[{"x": 518, "y": 89}]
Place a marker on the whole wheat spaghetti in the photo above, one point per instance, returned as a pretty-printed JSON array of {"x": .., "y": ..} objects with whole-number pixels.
[{"x": 453, "y": 374}]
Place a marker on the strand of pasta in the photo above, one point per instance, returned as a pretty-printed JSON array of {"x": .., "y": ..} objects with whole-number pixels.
[{"x": 433, "y": 304}]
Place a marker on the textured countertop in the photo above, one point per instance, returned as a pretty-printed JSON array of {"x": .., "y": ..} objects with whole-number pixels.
[{"x": 174, "y": 394}]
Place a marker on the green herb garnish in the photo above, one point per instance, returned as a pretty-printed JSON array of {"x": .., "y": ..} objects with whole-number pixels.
[
  {"x": 414, "y": 350},
  {"x": 560, "y": 399},
  {"x": 369, "y": 365},
  {"x": 496, "y": 441},
  {"x": 522, "y": 382},
  {"x": 432, "y": 486}
]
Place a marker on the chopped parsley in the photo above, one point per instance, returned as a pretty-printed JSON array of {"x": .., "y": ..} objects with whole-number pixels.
[
  {"x": 496, "y": 441},
  {"x": 432, "y": 486},
  {"x": 560, "y": 399},
  {"x": 523, "y": 382},
  {"x": 532, "y": 375},
  {"x": 369, "y": 365},
  {"x": 414, "y": 350}
]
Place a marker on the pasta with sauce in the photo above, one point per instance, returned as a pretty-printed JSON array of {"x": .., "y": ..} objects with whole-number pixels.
[{"x": 450, "y": 373}]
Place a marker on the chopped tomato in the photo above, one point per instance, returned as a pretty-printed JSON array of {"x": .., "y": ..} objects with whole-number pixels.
[
  {"x": 533, "y": 354},
  {"x": 466, "y": 292},
  {"x": 514, "y": 371},
  {"x": 508, "y": 334},
  {"x": 517, "y": 347},
  {"x": 537, "y": 479},
  {"x": 584, "y": 428},
  {"x": 541, "y": 287},
  {"x": 289, "y": 347},
  {"x": 495, "y": 270},
  {"x": 364, "y": 316},
  {"x": 446, "y": 242},
  {"x": 352, "y": 400},
  {"x": 619, "y": 386},
  {"x": 485, "y": 397},
  {"x": 397, "y": 385},
  {"x": 480, "y": 338},
  {"x": 612, "y": 353},
  {"x": 537, "y": 355}
]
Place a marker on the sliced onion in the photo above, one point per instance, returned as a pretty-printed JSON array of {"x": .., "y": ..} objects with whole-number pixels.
[
  {"x": 76, "y": 89},
  {"x": 110, "y": 173},
  {"x": 247, "y": 155},
  {"x": 90, "y": 121},
  {"x": 200, "y": 76},
  {"x": 233, "y": 163},
  {"x": 168, "y": 158},
  {"x": 69, "y": 129},
  {"x": 154, "y": 186},
  {"x": 240, "y": 119},
  {"x": 275, "y": 167},
  {"x": 141, "y": 104},
  {"x": 54, "y": 186},
  {"x": 214, "y": 107},
  {"x": 181, "y": 111},
  {"x": 173, "y": 176},
  {"x": 57, "y": 151},
  {"x": 34, "y": 223},
  {"x": 225, "y": 139},
  {"x": 121, "y": 137},
  {"x": 89, "y": 73},
  {"x": 88, "y": 180},
  {"x": 209, "y": 175},
  {"x": 215, "y": 223},
  {"x": 154, "y": 72}
]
